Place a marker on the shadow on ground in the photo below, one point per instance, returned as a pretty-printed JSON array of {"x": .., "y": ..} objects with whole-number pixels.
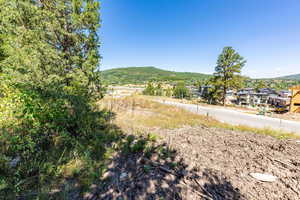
[{"x": 143, "y": 170}]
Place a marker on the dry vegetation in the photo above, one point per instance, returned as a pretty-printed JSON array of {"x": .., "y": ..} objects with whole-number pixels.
[
  {"x": 170, "y": 153},
  {"x": 142, "y": 114}
]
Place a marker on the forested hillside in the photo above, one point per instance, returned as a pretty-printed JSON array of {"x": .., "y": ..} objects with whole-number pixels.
[
  {"x": 290, "y": 77},
  {"x": 140, "y": 75}
]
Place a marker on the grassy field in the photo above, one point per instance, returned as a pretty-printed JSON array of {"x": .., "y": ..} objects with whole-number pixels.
[{"x": 141, "y": 114}]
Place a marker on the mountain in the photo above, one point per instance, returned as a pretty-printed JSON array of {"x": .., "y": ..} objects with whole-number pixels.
[
  {"x": 140, "y": 75},
  {"x": 290, "y": 77}
]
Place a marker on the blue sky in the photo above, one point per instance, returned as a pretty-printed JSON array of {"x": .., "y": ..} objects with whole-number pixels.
[{"x": 188, "y": 35}]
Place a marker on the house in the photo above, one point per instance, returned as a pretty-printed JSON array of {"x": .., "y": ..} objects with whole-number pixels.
[
  {"x": 248, "y": 96},
  {"x": 194, "y": 91},
  {"x": 204, "y": 90},
  {"x": 244, "y": 96},
  {"x": 285, "y": 93},
  {"x": 295, "y": 99},
  {"x": 230, "y": 97},
  {"x": 259, "y": 99},
  {"x": 268, "y": 91}
]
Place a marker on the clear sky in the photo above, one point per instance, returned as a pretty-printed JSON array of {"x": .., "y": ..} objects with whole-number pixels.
[{"x": 188, "y": 35}]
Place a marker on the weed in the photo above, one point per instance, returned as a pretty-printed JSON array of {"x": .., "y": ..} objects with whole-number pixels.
[
  {"x": 173, "y": 165},
  {"x": 152, "y": 137},
  {"x": 147, "y": 168}
]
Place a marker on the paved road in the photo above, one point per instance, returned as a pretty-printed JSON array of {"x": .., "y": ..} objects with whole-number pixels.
[{"x": 240, "y": 118}]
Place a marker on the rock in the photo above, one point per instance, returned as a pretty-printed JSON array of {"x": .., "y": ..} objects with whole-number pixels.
[
  {"x": 123, "y": 176},
  {"x": 88, "y": 195},
  {"x": 164, "y": 185},
  {"x": 107, "y": 175},
  {"x": 170, "y": 177},
  {"x": 264, "y": 177}
]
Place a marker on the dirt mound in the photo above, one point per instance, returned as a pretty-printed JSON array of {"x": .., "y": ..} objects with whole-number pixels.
[{"x": 206, "y": 163}]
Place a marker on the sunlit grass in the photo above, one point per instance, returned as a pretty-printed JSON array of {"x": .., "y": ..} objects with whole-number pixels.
[
  {"x": 264, "y": 131},
  {"x": 139, "y": 112},
  {"x": 142, "y": 114}
]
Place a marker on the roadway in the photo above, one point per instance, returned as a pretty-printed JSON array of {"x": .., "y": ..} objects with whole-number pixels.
[{"x": 239, "y": 118}]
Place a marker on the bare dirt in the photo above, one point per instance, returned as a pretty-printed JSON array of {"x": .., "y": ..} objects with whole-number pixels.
[{"x": 205, "y": 163}]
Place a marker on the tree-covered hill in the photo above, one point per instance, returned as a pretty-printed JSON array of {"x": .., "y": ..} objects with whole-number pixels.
[
  {"x": 140, "y": 75},
  {"x": 290, "y": 77}
]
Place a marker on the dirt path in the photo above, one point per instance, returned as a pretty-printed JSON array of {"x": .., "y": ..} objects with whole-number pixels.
[{"x": 208, "y": 163}]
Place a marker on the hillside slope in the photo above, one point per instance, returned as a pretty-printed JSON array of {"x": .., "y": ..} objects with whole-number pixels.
[
  {"x": 290, "y": 77},
  {"x": 140, "y": 75}
]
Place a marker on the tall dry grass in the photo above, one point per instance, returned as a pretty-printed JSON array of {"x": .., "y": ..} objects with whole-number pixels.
[{"x": 140, "y": 113}]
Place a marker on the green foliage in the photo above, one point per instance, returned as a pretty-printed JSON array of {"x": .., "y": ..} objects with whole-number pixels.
[
  {"x": 227, "y": 72},
  {"x": 276, "y": 84},
  {"x": 181, "y": 91},
  {"x": 159, "y": 90},
  {"x": 2, "y": 56},
  {"x": 152, "y": 137},
  {"x": 150, "y": 89},
  {"x": 50, "y": 86},
  {"x": 260, "y": 84},
  {"x": 295, "y": 77},
  {"x": 141, "y": 144},
  {"x": 141, "y": 75},
  {"x": 153, "y": 89}
]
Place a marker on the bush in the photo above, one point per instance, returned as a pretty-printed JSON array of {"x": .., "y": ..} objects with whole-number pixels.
[
  {"x": 157, "y": 90},
  {"x": 51, "y": 128},
  {"x": 181, "y": 91},
  {"x": 47, "y": 131},
  {"x": 150, "y": 89}
]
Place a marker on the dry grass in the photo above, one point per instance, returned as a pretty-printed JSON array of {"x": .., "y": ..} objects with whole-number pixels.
[
  {"x": 264, "y": 131},
  {"x": 141, "y": 114}
]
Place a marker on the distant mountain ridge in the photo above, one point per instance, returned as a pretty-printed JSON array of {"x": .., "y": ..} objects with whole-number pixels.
[
  {"x": 290, "y": 77},
  {"x": 140, "y": 75}
]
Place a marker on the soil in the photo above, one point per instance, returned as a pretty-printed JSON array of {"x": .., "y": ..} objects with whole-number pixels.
[{"x": 205, "y": 163}]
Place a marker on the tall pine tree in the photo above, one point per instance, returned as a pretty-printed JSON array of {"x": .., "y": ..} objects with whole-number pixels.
[{"x": 227, "y": 72}]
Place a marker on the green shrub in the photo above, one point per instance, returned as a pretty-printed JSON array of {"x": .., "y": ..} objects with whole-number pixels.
[
  {"x": 181, "y": 91},
  {"x": 50, "y": 126}
]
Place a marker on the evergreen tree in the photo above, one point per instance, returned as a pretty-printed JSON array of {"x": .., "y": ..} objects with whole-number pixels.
[
  {"x": 52, "y": 43},
  {"x": 227, "y": 72},
  {"x": 52, "y": 83},
  {"x": 260, "y": 84}
]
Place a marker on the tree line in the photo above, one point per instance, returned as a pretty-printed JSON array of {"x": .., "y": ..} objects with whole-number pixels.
[
  {"x": 227, "y": 76},
  {"x": 179, "y": 90}
]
